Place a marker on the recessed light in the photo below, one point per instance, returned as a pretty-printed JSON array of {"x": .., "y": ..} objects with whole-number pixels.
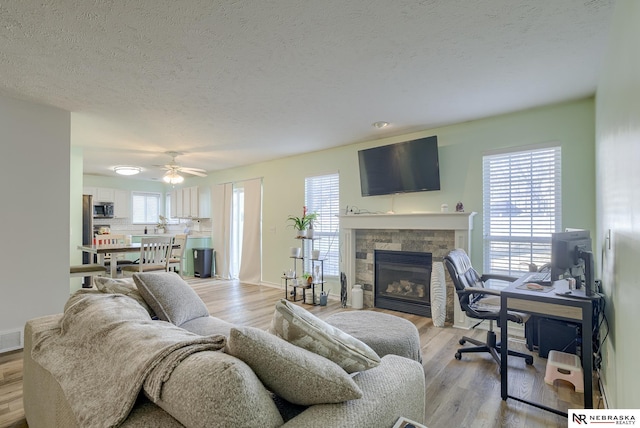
[
  {"x": 380, "y": 124},
  {"x": 127, "y": 170}
]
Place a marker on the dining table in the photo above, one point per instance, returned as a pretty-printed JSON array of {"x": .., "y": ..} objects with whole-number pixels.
[{"x": 102, "y": 250}]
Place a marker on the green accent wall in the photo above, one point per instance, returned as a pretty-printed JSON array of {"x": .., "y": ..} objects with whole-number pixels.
[
  {"x": 618, "y": 205},
  {"x": 462, "y": 146}
]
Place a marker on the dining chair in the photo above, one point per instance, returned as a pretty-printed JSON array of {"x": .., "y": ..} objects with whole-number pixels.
[
  {"x": 154, "y": 252},
  {"x": 112, "y": 239},
  {"x": 176, "y": 254}
]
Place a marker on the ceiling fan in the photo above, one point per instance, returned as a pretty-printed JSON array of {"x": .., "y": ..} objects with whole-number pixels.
[{"x": 172, "y": 175}]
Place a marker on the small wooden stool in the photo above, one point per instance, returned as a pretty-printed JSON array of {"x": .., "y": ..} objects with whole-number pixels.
[{"x": 561, "y": 365}]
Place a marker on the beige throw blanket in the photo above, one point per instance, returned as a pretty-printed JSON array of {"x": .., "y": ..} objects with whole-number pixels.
[{"x": 105, "y": 348}]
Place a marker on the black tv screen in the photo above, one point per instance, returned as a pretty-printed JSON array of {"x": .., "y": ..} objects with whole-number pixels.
[{"x": 410, "y": 166}]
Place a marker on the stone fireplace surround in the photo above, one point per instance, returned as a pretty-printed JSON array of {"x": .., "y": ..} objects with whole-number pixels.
[{"x": 436, "y": 233}]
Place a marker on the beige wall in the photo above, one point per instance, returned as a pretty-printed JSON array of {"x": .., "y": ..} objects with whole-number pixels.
[
  {"x": 34, "y": 166},
  {"x": 618, "y": 203}
]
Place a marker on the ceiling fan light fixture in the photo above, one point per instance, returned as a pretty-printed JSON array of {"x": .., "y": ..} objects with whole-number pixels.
[
  {"x": 127, "y": 170},
  {"x": 173, "y": 177}
]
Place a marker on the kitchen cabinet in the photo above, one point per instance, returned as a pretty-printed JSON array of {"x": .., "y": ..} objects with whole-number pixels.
[
  {"x": 121, "y": 199},
  {"x": 191, "y": 202},
  {"x": 104, "y": 194},
  {"x": 186, "y": 202},
  {"x": 204, "y": 202},
  {"x": 194, "y": 207},
  {"x": 175, "y": 210},
  {"x": 121, "y": 204}
]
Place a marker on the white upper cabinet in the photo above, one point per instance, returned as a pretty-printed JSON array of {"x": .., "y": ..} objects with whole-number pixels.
[
  {"x": 204, "y": 202},
  {"x": 194, "y": 208},
  {"x": 121, "y": 199},
  {"x": 191, "y": 202},
  {"x": 104, "y": 194},
  {"x": 173, "y": 209},
  {"x": 121, "y": 204}
]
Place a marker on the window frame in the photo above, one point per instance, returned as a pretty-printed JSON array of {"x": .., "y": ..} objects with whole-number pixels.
[
  {"x": 326, "y": 203},
  {"x": 522, "y": 207},
  {"x": 156, "y": 195}
]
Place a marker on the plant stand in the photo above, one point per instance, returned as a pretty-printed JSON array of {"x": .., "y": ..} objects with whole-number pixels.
[{"x": 296, "y": 291}]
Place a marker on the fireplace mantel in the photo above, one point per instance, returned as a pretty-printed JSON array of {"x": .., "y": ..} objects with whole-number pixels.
[
  {"x": 419, "y": 221},
  {"x": 460, "y": 223}
]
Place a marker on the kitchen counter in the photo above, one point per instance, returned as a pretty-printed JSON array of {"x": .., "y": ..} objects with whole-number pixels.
[{"x": 198, "y": 235}]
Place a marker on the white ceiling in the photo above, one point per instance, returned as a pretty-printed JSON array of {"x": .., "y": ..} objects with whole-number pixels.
[{"x": 236, "y": 82}]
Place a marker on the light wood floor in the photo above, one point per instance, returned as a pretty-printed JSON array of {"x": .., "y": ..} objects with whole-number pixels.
[{"x": 462, "y": 393}]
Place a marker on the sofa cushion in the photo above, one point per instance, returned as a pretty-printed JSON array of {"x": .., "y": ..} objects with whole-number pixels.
[
  {"x": 300, "y": 327},
  {"x": 207, "y": 326},
  {"x": 124, "y": 286},
  {"x": 295, "y": 374},
  {"x": 214, "y": 389},
  {"x": 171, "y": 298}
]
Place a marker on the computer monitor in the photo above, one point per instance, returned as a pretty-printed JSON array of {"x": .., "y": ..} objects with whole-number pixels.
[{"x": 572, "y": 257}]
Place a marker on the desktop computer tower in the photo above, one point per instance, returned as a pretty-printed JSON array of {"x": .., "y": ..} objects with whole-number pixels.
[{"x": 546, "y": 334}]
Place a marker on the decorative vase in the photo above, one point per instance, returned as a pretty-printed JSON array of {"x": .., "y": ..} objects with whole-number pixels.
[
  {"x": 357, "y": 297},
  {"x": 438, "y": 294},
  {"x": 296, "y": 252}
]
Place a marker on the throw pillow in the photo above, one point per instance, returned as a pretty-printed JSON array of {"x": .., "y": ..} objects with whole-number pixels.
[
  {"x": 300, "y": 327},
  {"x": 124, "y": 286},
  {"x": 171, "y": 298},
  {"x": 295, "y": 374},
  {"x": 214, "y": 389}
]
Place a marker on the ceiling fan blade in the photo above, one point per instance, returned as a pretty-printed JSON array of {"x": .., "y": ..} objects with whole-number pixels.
[
  {"x": 198, "y": 173},
  {"x": 184, "y": 168}
]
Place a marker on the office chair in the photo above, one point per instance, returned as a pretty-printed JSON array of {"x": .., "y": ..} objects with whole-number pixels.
[{"x": 480, "y": 303}]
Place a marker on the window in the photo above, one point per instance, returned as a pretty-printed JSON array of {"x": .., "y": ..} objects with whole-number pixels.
[
  {"x": 322, "y": 196},
  {"x": 145, "y": 208},
  {"x": 521, "y": 208},
  {"x": 237, "y": 229}
]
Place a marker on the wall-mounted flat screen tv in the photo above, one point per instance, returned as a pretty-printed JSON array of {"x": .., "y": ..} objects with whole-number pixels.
[{"x": 410, "y": 166}]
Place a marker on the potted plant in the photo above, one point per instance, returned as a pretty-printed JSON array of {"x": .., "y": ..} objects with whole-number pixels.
[
  {"x": 162, "y": 224},
  {"x": 302, "y": 223},
  {"x": 308, "y": 278}
]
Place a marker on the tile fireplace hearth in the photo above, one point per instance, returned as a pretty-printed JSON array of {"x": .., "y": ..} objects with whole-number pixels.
[{"x": 435, "y": 233}]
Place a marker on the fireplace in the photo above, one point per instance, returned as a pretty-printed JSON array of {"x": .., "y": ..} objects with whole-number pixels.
[{"x": 402, "y": 281}]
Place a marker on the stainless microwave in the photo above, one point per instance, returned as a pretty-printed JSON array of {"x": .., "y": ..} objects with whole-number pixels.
[{"x": 103, "y": 210}]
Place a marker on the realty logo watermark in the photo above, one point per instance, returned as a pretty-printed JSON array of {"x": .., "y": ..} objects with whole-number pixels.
[{"x": 602, "y": 417}]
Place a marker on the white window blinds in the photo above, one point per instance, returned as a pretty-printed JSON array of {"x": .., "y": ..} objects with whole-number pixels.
[
  {"x": 145, "y": 208},
  {"x": 521, "y": 208},
  {"x": 322, "y": 196}
]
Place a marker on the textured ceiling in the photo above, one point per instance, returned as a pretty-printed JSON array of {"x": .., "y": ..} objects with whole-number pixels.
[{"x": 236, "y": 82}]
